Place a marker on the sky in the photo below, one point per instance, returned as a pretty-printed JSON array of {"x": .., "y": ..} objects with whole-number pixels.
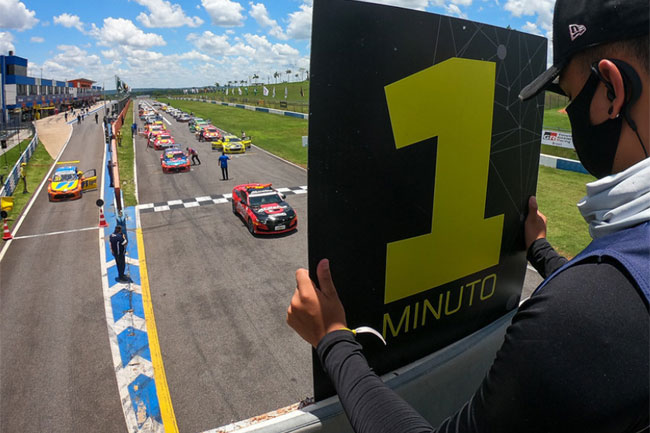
[{"x": 194, "y": 43}]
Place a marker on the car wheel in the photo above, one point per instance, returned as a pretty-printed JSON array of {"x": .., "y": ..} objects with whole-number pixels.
[
  {"x": 251, "y": 229},
  {"x": 234, "y": 209}
]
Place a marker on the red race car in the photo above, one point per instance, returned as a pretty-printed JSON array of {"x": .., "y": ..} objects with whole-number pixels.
[
  {"x": 162, "y": 141},
  {"x": 263, "y": 209},
  {"x": 174, "y": 160}
]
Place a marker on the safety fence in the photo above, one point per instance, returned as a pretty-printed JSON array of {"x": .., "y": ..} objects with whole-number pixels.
[
  {"x": 250, "y": 107},
  {"x": 14, "y": 176},
  {"x": 116, "y": 125}
]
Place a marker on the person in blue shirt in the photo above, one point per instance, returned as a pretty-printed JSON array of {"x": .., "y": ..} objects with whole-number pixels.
[
  {"x": 223, "y": 163},
  {"x": 118, "y": 248}
]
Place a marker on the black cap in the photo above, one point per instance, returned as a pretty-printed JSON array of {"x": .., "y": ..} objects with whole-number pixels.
[{"x": 581, "y": 24}]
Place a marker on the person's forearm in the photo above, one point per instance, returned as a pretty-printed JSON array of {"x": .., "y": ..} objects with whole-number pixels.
[
  {"x": 544, "y": 258},
  {"x": 370, "y": 405}
]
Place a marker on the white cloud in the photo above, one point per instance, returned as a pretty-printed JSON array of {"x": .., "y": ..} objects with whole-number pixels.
[
  {"x": 543, "y": 26},
  {"x": 300, "y": 22},
  {"x": 165, "y": 14},
  {"x": 37, "y": 39},
  {"x": 67, "y": 20},
  {"x": 122, "y": 32},
  {"x": 6, "y": 42},
  {"x": 225, "y": 13},
  {"x": 542, "y": 8},
  {"x": 14, "y": 15},
  {"x": 409, "y": 4},
  {"x": 454, "y": 10},
  {"x": 216, "y": 45},
  {"x": 261, "y": 15}
]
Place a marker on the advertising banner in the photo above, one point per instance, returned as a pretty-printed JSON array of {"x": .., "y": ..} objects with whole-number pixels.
[
  {"x": 421, "y": 162},
  {"x": 557, "y": 138}
]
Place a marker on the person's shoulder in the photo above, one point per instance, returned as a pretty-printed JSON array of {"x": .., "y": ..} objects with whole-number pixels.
[{"x": 582, "y": 295}]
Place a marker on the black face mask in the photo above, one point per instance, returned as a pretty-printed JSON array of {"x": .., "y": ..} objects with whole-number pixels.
[{"x": 596, "y": 145}]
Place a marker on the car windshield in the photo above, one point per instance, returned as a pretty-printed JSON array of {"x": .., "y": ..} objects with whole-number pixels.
[
  {"x": 212, "y": 130},
  {"x": 164, "y": 137},
  {"x": 234, "y": 139},
  {"x": 64, "y": 177},
  {"x": 174, "y": 155},
  {"x": 264, "y": 199}
]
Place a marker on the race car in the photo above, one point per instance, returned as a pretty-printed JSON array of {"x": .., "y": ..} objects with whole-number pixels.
[
  {"x": 230, "y": 144},
  {"x": 210, "y": 133},
  {"x": 161, "y": 142},
  {"x": 68, "y": 183},
  {"x": 149, "y": 128},
  {"x": 183, "y": 118},
  {"x": 174, "y": 160},
  {"x": 197, "y": 123},
  {"x": 263, "y": 209},
  {"x": 233, "y": 146}
]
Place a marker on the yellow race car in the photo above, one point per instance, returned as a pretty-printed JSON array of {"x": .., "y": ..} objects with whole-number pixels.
[
  {"x": 68, "y": 183},
  {"x": 230, "y": 144}
]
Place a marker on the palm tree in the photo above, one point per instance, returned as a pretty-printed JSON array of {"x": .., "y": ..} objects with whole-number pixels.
[
  {"x": 276, "y": 75},
  {"x": 288, "y": 74}
]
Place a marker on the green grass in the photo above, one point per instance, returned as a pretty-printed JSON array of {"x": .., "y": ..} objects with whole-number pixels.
[
  {"x": 554, "y": 119},
  {"x": 125, "y": 160},
  {"x": 279, "y": 135},
  {"x": 295, "y": 102},
  {"x": 36, "y": 169},
  {"x": 12, "y": 155},
  {"x": 559, "y": 151},
  {"x": 558, "y": 191}
]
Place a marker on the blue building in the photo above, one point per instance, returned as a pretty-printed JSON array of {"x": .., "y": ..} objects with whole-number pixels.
[{"x": 24, "y": 98}]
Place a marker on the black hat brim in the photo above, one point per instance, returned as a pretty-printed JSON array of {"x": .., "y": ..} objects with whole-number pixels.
[{"x": 542, "y": 82}]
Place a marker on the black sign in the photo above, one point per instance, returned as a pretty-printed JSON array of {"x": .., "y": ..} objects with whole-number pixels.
[{"x": 421, "y": 162}]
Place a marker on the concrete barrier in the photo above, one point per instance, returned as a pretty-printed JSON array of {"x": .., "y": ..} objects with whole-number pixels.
[
  {"x": 561, "y": 163},
  {"x": 436, "y": 386}
]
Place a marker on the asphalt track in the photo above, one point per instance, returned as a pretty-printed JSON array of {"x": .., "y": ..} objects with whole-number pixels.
[
  {"x": 56, "y": 372},
  {"x": 219, "y": 294}
]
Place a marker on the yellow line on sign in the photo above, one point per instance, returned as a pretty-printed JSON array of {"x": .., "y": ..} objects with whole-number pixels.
[{"x": 164, "y": 399}]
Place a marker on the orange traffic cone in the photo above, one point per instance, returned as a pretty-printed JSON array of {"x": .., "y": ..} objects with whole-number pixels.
[
  {"x": 102, "y": 221},
  {"x": 6, "y": 235}
]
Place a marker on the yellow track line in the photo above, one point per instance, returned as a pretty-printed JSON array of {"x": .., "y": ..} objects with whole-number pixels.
[{"x": 164, "y": 399}]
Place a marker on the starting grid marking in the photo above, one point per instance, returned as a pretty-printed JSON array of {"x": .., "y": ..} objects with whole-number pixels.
[{"x": 204, "y": 201}]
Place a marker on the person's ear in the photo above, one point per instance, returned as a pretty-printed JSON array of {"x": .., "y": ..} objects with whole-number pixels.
[{"x": 615, "y": 87}]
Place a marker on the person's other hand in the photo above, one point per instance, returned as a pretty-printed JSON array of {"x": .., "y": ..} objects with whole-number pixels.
[
  {"x": 312, "y": 312},
  {"x": 535, "y": 225}
]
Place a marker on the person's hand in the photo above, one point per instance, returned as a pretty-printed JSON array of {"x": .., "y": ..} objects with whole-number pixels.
[
  {"x": 312, "y": 312},
  {"x": 535, "y": 225}
]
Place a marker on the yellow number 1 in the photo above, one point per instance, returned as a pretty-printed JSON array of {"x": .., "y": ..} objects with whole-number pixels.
[{"x": 452, "y": 100}]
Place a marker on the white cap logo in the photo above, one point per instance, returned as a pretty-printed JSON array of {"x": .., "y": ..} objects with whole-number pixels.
[{"x": 576, "y": 30}]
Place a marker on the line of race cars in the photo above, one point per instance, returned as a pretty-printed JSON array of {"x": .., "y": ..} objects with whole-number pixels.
[{"x": 261, "y": 207}]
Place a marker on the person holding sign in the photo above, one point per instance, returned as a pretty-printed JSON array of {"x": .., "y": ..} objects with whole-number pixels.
[{"x": 575, "y": 358}]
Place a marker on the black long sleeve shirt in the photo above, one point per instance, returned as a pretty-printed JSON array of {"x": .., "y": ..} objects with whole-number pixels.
[{"x": 575, "y": 359}]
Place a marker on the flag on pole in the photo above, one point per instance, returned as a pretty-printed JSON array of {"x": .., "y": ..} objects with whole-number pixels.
[
  {"x": 266, "y": 91},
  {"x": 246, "y": 90},
  {"x": 286, "y": 92},
  {"x": 227, "y": 92},
  {"x": 274, "y": 92},
  {"x": 239, "y": 88}
]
